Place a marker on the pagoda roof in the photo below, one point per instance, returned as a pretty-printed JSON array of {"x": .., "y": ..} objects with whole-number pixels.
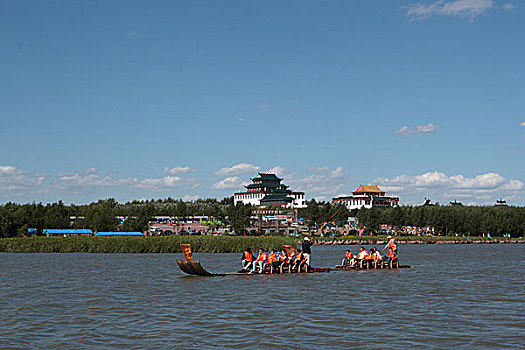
[
  {"x": 374, "y": 189},
  {"x": 266, "y": 176},
  {"x": 277, "y": 197},
  {"x": 265, "y": 185}
]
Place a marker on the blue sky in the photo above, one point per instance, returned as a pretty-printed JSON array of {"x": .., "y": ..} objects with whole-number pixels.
[{"x": 189, "y": 99}]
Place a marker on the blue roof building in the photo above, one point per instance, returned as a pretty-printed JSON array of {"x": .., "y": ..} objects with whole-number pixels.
[
  {"x": 119, "y": 234},
  {"x": 66, "y": 231}
]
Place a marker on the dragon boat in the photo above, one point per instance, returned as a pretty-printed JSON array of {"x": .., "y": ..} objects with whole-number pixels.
[{"x": 193, "y": 267}]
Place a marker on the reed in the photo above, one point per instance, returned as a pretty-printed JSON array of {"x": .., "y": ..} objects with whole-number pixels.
[{"x": 169, "y": 244}]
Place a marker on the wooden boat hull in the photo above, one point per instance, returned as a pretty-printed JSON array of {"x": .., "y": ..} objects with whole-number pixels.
[
  {"x": 194, "y": 268},
  {"x": 354, "y": 268}
]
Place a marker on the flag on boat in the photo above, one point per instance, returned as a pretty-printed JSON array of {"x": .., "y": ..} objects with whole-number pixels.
[
  {"x": 186, "y": 250},
  {"x": 289, "y": 250}
]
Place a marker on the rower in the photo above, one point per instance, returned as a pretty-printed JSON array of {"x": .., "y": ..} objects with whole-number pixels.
[
  {"x": 349, "y": 259},
  {"x": 261, "y": 259},
  {"x": 375, "y": 257},
  {"x": 391, "y": 255},
  {"x": 272, "y": 260},
  {"x": 247, "y": 259},
  {"x": 362, "y": 257},
  {"x": 283, "y": 258},
  {"x": 299, "y": 258}
]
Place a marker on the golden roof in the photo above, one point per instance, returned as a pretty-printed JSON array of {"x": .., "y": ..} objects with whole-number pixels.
[{"x": 369, "y": 189}]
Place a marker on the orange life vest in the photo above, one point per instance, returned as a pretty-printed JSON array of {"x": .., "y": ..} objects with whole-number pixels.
[
  {"x": 349, "y": 255},
  {"x": 362, "y": 255},
  {"x": 299, "y": 257},
  {"x": 391, "y": 244},
  {"x": 262, "y": 257},
  {"x": 272, "y": 257},
  {"x": 283, "y": 257},
  {"x": 392, "y": 254},
  {"x": 248, "y": 256}
]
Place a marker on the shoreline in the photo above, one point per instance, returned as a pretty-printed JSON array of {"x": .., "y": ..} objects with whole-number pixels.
[
  {"x": 207, "y": 244},
  {"x": 403, "y": 241}
]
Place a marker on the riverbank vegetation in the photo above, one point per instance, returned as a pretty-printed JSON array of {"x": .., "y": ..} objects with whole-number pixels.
[{"x": 154, "y": 244}]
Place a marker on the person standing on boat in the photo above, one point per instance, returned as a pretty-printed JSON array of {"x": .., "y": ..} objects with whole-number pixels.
[
  {"x": 306, "y": 249},
  {"x": 247, "y": 259},
  {"x": 392, "y": 244}
]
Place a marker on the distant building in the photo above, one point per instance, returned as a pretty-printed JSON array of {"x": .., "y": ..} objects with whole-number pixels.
[
  {"x": 455, "y": 204},
  {"x": 119, "y": 234},
  {"x": 267, "y": 190},
  {"x": 428, "y": 202},
  {"x": 501, "y": 203},
  {"x": 67, "y": 232},
  {"x": 367, "y": 197}
]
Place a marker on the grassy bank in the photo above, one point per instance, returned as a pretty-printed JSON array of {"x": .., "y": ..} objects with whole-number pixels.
[
  {"x": 169, "y": 244},
  {"x": 407, "y": 239}
]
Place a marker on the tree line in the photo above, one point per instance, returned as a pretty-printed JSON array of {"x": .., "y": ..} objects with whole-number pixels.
[
  {"x": 15, "y": 219},
  {"x": 446, "y": 220}
]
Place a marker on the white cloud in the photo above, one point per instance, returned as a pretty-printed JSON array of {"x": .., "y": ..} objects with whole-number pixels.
[
  {"x": 134, "y": 34},
  {"x": 242, "y": 168},
  {"x": 420, "y": 129},
  {"x": 230, "y": 183},
  {"x": 522, "y": 124},
  {"x": 88, "y": 178},
  {"x": 443, "y": 188},
  {"x": 166, "y": 183},
  {"x": 513, "y": 185},
  {"x": 265, "y": 107},
  {"x": 323, "y": 184},
  {"x": 179, "y": 170},
  {"x": 14, "y": 179},
  {"x": 508, "y": 7},
  {"x": 457, "y": 8},
  {"x": 190, "y": 197},
  {"x": 278, "y": 170}
]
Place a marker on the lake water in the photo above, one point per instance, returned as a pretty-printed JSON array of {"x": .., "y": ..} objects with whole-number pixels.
[{"x": 461, "y": 296}]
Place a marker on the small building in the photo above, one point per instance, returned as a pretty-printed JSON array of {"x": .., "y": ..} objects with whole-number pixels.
[
  {"x": 501, "y": 203},
  {"x": 119, "y": 234},
  {"x": 367, "y": 197},
  {"x": 267, "y": 190},
  {"x": 67, "y": 232},
  {"x": 455, "y": 204}
]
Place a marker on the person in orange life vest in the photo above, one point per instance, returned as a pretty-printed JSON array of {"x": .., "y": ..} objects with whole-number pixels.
[
  {"x": 363, "y": 254},
  {"x": 349, "y": 259},
  {"x": 247, "y": 259},
  {"x": 283, "y": 257},
  {"x": 392, "y": 244},
  {"x": 261, "y": 260},
  {"x": 272, "y": 259},
  {"x": 391, "y": 255},
  {"x": 375, "y": 255},
  {"x": 299, "y": 258}
]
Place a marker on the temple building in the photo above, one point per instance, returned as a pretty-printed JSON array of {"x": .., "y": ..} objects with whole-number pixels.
[
  {"x": 367, "y": 197},
  {"x": 267, "y": 190}
]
